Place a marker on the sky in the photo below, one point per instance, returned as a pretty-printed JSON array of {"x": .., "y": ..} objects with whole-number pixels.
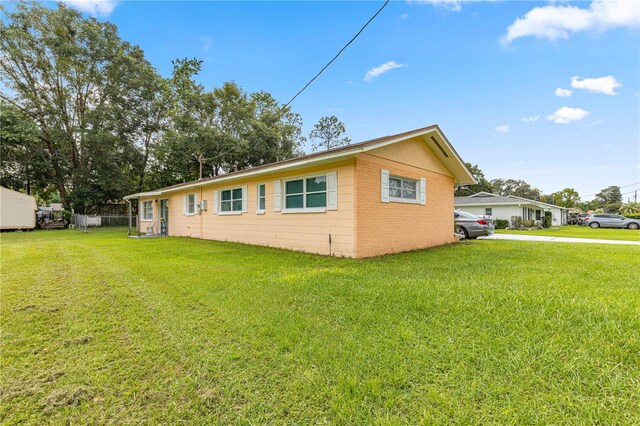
[{"x": 548, "y": 92}]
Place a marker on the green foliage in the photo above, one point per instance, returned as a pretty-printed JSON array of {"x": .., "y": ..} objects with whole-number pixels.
[
  {"x": 516, "y": 187},
  {"x": 630, "y": 208},
  {"x": 633, "y": 215},
  {"x": 483, "y": 184},
  {"x": 528, "y": 223},
  {"x": 516, "y": 222},
  {"x": 547, "y": 220},
  {"x": 501, "y": 224},
  {"x": 101, "y": 329},
  {"x": 576, "y": 231},
  {"x": 328, "y": 133},
  {"x": 609, "y": 195},
  {"x": 568, "y": 197}
]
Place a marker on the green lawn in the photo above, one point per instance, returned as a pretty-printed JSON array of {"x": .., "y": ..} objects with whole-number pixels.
[
  {"x": 575, "y": 231},
  {"x": 100, "y": 328}
]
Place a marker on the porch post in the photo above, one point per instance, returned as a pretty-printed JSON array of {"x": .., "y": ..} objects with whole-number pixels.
[{"x": 129, "y": 201}]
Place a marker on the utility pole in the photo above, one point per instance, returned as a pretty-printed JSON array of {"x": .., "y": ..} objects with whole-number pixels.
[{"x": 200, "y": 160}]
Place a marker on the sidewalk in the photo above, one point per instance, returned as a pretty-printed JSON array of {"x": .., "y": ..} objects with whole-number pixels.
[{"x": 557, "y": 239}]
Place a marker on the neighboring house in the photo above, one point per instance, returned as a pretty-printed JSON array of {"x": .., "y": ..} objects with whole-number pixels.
[
  {"x": 384, "y": 195},
  {"x": 505, "y": 207},
  {"x": 17, "y": 210}
]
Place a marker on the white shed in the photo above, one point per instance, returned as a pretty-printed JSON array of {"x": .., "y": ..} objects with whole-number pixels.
[{"x": 17, "y": 210}]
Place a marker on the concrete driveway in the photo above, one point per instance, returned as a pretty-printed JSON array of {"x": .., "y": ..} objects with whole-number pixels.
[{"x": 558, "y": 239}]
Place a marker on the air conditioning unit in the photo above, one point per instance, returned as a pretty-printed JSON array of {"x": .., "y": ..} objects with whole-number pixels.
[{"x": 203, "y": 205}]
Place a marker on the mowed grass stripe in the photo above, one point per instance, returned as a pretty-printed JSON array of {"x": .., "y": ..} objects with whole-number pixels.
[{"x": 201, "y": 331}]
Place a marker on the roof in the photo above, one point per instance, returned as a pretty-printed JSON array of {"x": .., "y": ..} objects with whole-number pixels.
[
  {"x": 480, "y": 200},
  {"x": 431, "y": 135}
]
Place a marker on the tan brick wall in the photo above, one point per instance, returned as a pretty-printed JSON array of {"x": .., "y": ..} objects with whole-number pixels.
[
  {"x": 392, "y": 227},
  {"x": 307, "y": 232}
]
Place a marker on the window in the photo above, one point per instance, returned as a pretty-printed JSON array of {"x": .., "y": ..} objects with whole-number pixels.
[
  {"x": 147, "y": 210},
  {"x": 308, "y": 193},
  {"x": 403, "y": 188},
  {"x": 190, "y": 201},
  {"x": 231, "y": 200},
  {"x": 262, "y": 197},
  {"x": 538, "y": 214},
  {"x": 488, "y": 211}
]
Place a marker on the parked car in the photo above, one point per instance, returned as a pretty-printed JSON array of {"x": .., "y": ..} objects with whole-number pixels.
[
  {"x": 610, "y": 221},
  {"x": 470, "y": 226},
  {"x": 581, "y": 217}
]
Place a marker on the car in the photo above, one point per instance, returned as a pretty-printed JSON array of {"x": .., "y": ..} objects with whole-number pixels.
[
  {"x": 604, "y": 220},
  {"x": 471, "y": 226},
  {"x": 581, "y": 217}
]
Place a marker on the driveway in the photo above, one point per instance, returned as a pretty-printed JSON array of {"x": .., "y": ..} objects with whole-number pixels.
[{"x": 557, "y": 239}]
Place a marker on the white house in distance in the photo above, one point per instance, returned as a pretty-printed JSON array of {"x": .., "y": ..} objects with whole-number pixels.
[
  {"x": 505, "y": 207},
  {"x": 17, "y": 210}
]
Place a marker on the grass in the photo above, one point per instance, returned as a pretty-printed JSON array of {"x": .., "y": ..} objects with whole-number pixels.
[
  {"x": 99, "y": 328},
  {"x": 575, "y": 231}
]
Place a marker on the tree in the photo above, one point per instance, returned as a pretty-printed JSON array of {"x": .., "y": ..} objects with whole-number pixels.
[
  {"x": 328, "y": 133},
  {"x": 568, "y": 197},
  {"x": 519, "y": 188},
  {"x": 609, "y": 195},
  {"x": 89, "y": 94},
  {"x": 630, "y": 208},
  {"x": 483, "y": 184},
  {"x": 225, "y": 129}
]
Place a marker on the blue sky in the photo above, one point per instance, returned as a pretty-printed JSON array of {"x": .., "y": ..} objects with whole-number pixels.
[{"x": 486, "y": 72}]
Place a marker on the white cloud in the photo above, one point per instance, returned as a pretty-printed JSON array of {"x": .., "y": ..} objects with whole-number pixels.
[
  {"x": 557, "y": 22},
  {"x": 94, "y": 7},
  {"x": 563, "y": 93},
  {"x": 606, "y": 85},
  {"x": 531, "y": 119},
  {"x": 207, "y": 43},
  {"x": 381, "y": 69},
  {"x": 566, "y": 115},
  {"x": 503, "y": 128},
  {"x": 404, "y": 16},
  {"x": 452, "y": 5}
]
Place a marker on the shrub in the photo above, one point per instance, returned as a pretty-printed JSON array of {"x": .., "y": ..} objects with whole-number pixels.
[
  {"x": 528, "y": 223},
  {"x": 501, "y": 224},
  {"x": 633, "y": 216},
  {"x": 516, "y": 222},
  {"x": 546, "y": 221}
]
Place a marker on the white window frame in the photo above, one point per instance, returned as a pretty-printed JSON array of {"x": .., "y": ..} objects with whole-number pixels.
[
  {"x": 488, "y": 211},
  {"x": 258, "y": 198},
  {"x": 304, "y": 195},
  {"x": 186, "y": 207},
  {"x": 144, "y": 211},
  {"x": 231, "y": 212},
  {"x": 405, "y": 200}
]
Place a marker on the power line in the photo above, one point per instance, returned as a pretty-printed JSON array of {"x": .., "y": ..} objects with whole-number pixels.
[
  {"x": 338, "y": 54},
  {"x": 626, "y": 186}
]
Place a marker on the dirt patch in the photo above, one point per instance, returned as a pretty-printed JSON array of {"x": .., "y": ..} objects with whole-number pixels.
[
  {"x": 69, "y": 396},
  {"x": 53, "y": 376},
  {"x": 78, "y": 341},
  {"x": 25, "y": 308}
]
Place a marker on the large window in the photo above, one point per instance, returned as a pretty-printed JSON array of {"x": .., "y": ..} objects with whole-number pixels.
[
  {"x": 190, "y": 207},
  {"x": 488, "y": 211},
  {"x": 147, "y": 210},
  {"x": 231, "y": 200},
  {"x": 262, "y": 197},
  {"x": 308, "y": 193},
  {"x": 403, "y": 188}
]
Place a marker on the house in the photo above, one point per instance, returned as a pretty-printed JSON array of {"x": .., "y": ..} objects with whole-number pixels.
[
  {"x": 505, "y": 207},
  {"x": 385, "y": 195},
  {"x": 17, "y": 210}
]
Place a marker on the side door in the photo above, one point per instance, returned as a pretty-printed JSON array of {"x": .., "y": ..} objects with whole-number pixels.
[{"x": 617, "y": 221}]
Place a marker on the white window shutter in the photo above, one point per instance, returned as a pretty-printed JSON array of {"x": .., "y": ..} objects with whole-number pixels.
[
  {"x": 332, "y": 191},
  {"x": 184, "y": 204},
  {"x": 214, "y": 208},
  {"x": 423, "y": 191},
  {"x": 196, "y": 207},
  {"x": 244, "y": 198},
  {"x": 385, "y": 186},
  {"x": 277, "y": 196}
]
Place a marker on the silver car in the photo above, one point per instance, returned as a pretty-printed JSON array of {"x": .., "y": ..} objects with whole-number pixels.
[
  {"x": 610, "y": 221},
  {"x": 470, "y": 226}
]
